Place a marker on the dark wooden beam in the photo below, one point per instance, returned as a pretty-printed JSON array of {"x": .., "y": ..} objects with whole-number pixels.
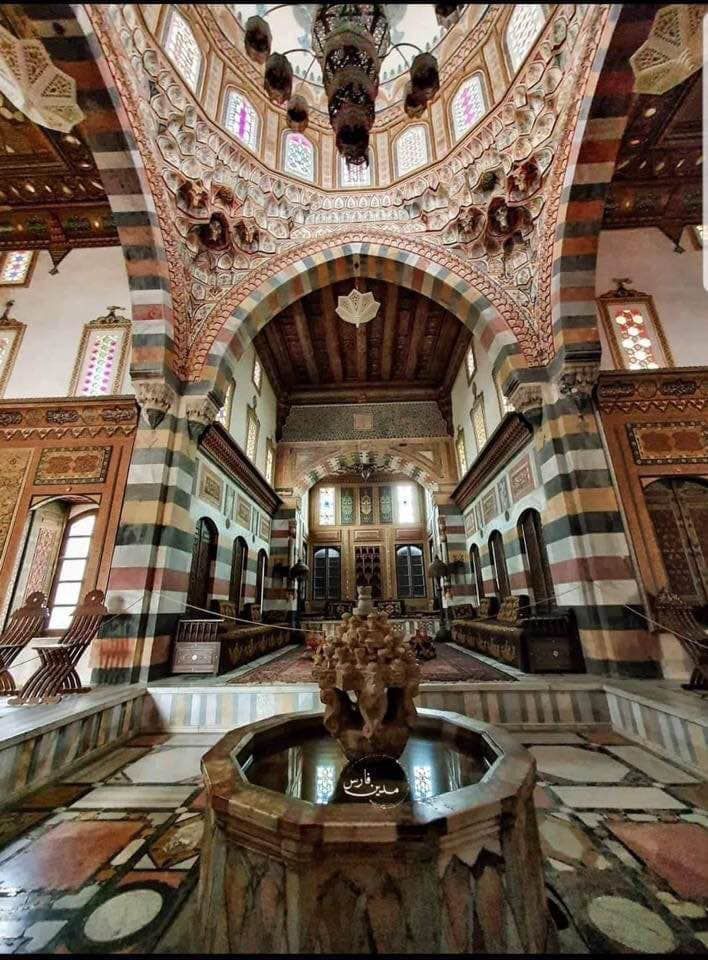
[
  {"x": 392, "y": 391},
  {"x": 303, "y": 334},
  {"x": 329, "y": 319},
  {"x": 455, "y": 358},
  {"x": 420, "y": 319},
  {"x": 440, "y": 365},
  {"x": 361, "y": 352},
  {"x": 389, "y": 331},
  {"x": 282, "y": 360}
]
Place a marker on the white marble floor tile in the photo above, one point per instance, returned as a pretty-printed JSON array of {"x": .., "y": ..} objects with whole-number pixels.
[
  {"x": 582, "y": 766},
  {"x": 616, "y": 798},
  {"x": 134, "y": 798},
  {"x": 652, "y": 766},
  {"x": 167, "y": 766},
  {"x": 105, "y": 766}
]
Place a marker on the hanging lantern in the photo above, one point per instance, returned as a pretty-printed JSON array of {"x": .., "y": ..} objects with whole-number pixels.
[
  {"x": 425, "y": 76},
  {"x": 297, "y": 113},
  {"x": 278, "y": 78},
  {"x": 437, "y": 569},
  {"x": 299, "y": 570},
  {"x": 447, "y": 13},
  {"x": 413, "y": 104},
  {"x": 351, "y": 129},
  {"x": 257, "y": 39}
]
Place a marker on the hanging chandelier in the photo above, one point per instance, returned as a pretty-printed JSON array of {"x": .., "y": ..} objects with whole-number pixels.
[{"x": 350, "y": 41}]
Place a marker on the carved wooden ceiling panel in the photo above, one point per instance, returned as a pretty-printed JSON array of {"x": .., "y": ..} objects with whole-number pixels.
[
  {"x": 412, "y": 347},
  {"x": 657, "y": 180}
]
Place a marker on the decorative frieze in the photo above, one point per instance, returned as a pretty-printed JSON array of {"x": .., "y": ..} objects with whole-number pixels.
[
  {"x": 511, "y": 436},
  {"x": 223, "y": 451},
  {"x": 83, "y": 417}
]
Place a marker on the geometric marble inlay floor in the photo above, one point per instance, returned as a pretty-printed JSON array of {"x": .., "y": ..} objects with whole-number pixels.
[{"x": 108, "y": 860}]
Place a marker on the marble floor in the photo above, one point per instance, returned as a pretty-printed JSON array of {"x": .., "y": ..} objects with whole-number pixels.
[{"x": 107, "y": 860}]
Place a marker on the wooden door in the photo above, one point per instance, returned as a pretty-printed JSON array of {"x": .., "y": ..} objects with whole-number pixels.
[
  {"x": 203, "y": 556},
  {"x": 679, "y": 513}
]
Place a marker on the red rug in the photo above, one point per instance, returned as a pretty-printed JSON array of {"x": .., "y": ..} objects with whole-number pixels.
[{"x": 449, "y": 665}]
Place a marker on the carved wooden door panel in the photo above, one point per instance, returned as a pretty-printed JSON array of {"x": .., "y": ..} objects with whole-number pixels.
[
  {"x": 200, "y": 572},
  {"x": 679, "y": 512}
]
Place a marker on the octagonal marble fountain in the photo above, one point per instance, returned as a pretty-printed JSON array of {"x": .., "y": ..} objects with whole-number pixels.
[{"x": 374, "y": 828}]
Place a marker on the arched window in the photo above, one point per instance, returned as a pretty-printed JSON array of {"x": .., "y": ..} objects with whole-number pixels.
[
  {"x": 241, "y": 119},
  {"x": 461, "y": 452},
  {"x": 410, "y": 572},
  {"x": 356, "y": 176},
  {"x": 537, "y": 565},
  {"x": 476, "y": 567},
  {"x": 468, "y": 105},
  {"x": 411, "y": 149},
  {"x": 326, "y": 574},
  {"x": 201, "y": 573},
  {"x": 224, "y": 415},
  {"x": 261, "y": 567},
  {"x": 501, "y": 574},
  {"x": 239, "y": 565},
  {"x": 183, "y": 49},
  {"x": 524, "y": 26},
  {"x": 299, "y": 156},
  {"x": 71, "y": 567}
]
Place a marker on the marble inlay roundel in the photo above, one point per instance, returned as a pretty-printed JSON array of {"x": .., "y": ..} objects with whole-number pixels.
[
  {"x": 631, "y": 924},
  {"x": 123, "y": 915}
]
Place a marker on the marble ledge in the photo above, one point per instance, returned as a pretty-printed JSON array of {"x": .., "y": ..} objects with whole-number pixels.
[{"x": 671, "y": 700}]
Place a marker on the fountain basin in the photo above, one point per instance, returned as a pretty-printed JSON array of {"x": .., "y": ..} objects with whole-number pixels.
[{"x": 459, "y": 871}]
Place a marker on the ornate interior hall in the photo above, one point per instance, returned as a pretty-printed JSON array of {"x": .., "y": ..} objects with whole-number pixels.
[{"x": 353, "y": 478}]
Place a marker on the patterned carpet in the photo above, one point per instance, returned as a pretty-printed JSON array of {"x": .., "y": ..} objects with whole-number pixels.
[{"x": 449, "y": 665}]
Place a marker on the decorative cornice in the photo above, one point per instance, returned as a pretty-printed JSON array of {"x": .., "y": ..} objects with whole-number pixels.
[
  {"x": 57, "y": 418},
  {"x": 200, "y": 413},
  {"x": 226, "y": 454},
  {"x": 511, "y": 436},
  {"x": 650, "y": 391}
]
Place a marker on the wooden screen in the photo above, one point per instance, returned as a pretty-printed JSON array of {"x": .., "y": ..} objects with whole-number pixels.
[
  {"x": 679, "y": 513},
  {"x": 538, "y": 568},
  {"x": 260, "y": 575},
  {"x": 203, "y": 559},
  {"x": 367, "y": 568}
]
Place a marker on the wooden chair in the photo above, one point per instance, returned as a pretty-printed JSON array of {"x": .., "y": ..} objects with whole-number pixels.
[
  {"x": 57, "y": 674},
  {"x": 25, "y": 623},
  {"x": 671, "y": 613}
]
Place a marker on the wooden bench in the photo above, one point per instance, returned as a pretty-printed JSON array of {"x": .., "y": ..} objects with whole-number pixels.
[
  {"x": 56, "y": 675},
  {"x": 25, "y": 623},
  {"x": 672, "y": 614},
  {"x": 534, "y": 643}
]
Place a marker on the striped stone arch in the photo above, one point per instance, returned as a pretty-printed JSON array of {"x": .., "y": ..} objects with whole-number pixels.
[
  {"x": 69, "y": 37},
  {"x": 591, "y": 164},
  {"x": 472, "y": 297},
  {"x": 350, "y": 460}
]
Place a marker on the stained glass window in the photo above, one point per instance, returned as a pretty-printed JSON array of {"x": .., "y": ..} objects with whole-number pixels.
[
  {"x": 241, "y": 119},
  {"x": 101, "y": 360},
  {"x": 257, "y": 375},
  {"x": 102, "y": 355},
  {"x": 270, "y": 461},
  {"x": 470, "y": 365},
  {"x": 632, "y": 337},
  {"x": 299, "y": 156},
  {"x": 479, "y": 424},
  {"x": 355, "y": 176},
  {"x": 224, "y": 415},
  {"x": 461, "y": 453},
  {"x": 411, "y": 149},
  {"x": 422, "y": 782},
  {"x": 183, "y": 49},
  {"x": 324, "y": 784},
  {"x": 406, "y": 503},
  {"x": 252, "y": 427},
  {"x": 327, "y": 507},
  {"x": 468, "y": 105},
  {"x": 15, "y": 268},
  {"x": 524, "y": 26}
]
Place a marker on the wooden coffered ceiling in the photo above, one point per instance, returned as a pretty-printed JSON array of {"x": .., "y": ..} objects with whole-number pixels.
[
  {"x": 657, "y": 179},
  {"x": 412, "y": 349}
]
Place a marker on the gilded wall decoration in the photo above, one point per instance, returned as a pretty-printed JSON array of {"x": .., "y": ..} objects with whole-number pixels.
[
  {"x": 388, "y": 420},
  {"x": 503, "y": 493},
  {"x": 72, "y": 465},
  {"x": 211, "y": 487},
  {"x": 243, "y": 512},
  {"x": 385, "y": 505},
  {"x": 489, "y": 505},
  {"x": 71, "y": 418},
  {"x": 683, "y": 441},
  {"x": 43, "y": 559},
  {"x": 366, "y": 505},
  {"x": 521, "y": 479},
  {"x": 346, "y": 506},
  {"x": 14, "y": 464},
  {"x": 265, "y": 528},
  {"x": 102, "y": 355},
  {"x": 229, "y": 498},
  {"x": 470, "y": 523}
]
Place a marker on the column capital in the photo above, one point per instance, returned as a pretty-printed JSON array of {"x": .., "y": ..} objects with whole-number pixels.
[
  {"x": 200, "y": 412},
  {"x": 156, "y": 399}
]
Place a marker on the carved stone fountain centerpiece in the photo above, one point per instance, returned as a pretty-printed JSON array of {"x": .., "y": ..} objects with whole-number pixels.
[{"x": 372, "y": 660}]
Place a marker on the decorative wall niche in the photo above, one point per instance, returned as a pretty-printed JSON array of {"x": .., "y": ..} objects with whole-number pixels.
[{"x": 11, "y": 333}]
